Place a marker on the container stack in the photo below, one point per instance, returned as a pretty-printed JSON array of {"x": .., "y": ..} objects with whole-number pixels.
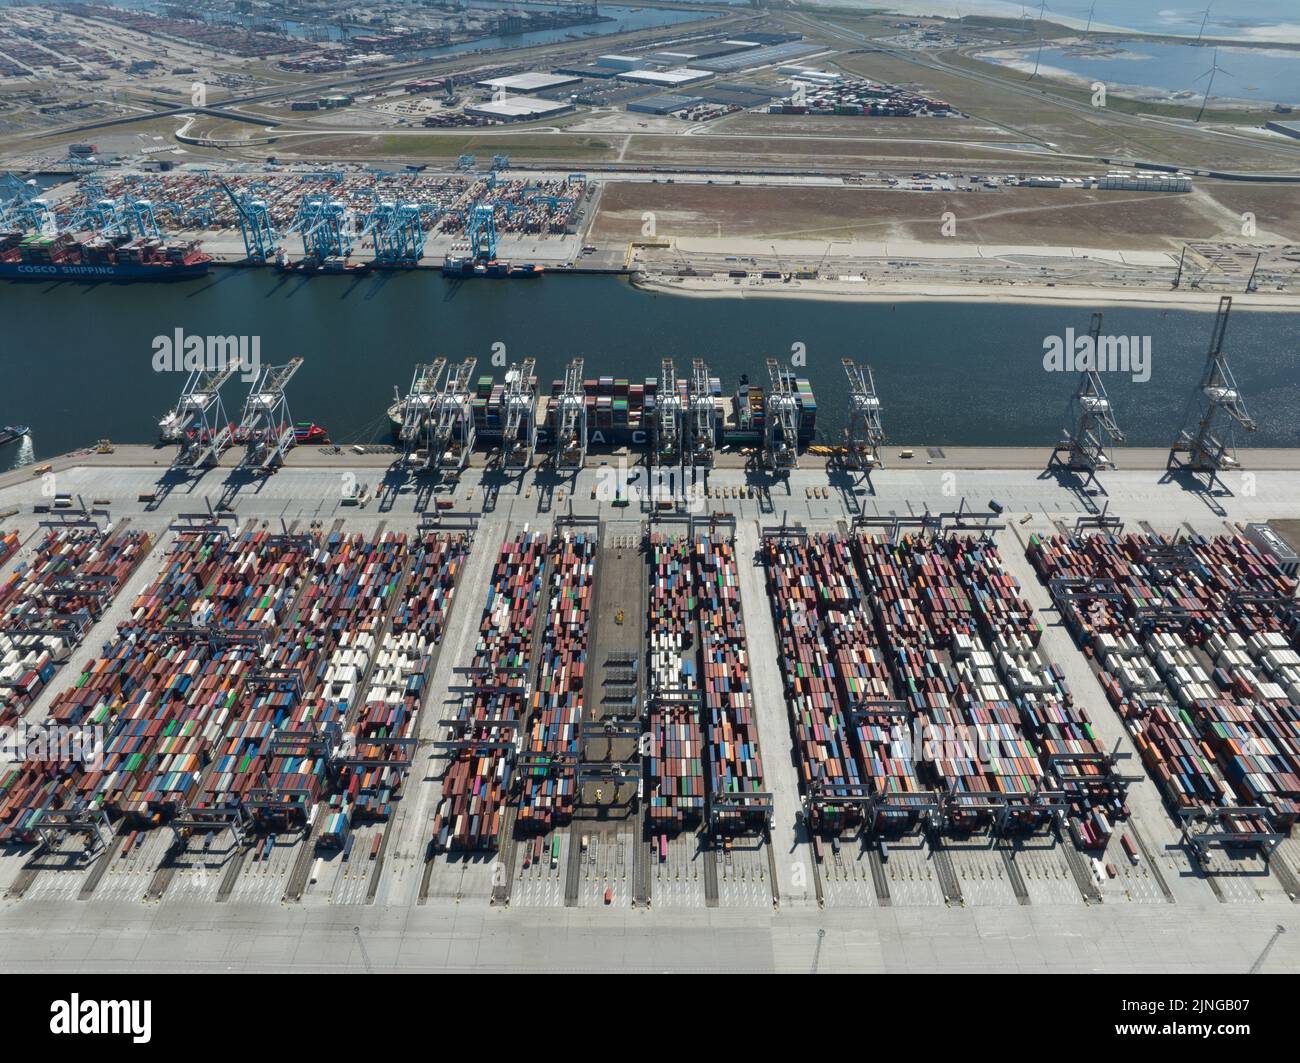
[
  {"x": 827, "y": 766},
  {"x": 1196, "y": 654},
  {"x": 553, "y": 741},
  {"x": 735, "y": 767},
  {"x": 328, "y": 645},
  {"x": 936, "y": 603},
  {"x": 73, "y": 578},
  {"x": 396, "y": 692},
  {"x": 674, "y": 767},
  {"x": 9, "y": 543},
  {"x": 142, "y": 664},
  {"x": 474, "y": 788}
]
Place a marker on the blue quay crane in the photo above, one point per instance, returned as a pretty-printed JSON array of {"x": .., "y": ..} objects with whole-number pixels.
[
  {"x": 255, "y": 226},
  {"x": 482, "y": 232}
]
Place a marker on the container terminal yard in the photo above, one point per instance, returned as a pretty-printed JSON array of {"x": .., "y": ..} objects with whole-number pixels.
[{"x": 491, "y": 703}]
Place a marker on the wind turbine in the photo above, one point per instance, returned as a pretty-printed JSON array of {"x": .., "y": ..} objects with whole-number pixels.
[
  {"x": 1214, "y": 69},
  {"x": 1204, "y": 18},
  {"x": 1038, "y": 58},
  {"x": 1088, "y": 28}
]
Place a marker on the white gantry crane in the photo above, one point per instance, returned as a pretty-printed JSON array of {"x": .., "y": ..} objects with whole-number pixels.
[
  {"x": 865, "y": 434},
  {"x": 781, "y": 432},
  {"x": 667, "y": 444},
  {"x": 703, "y": 417},
  {"x": 452, "y": 437},
  {"x": 571, "y": 421},
  {"x": 1217, "y": 407},
  {"x": 267, "y": 426},
  {"x": 519, "y": 440},
  {"x": 1091, "y": 431},
  {"x": 418, "y": 412},
  {"x": 198, "y": 421}
]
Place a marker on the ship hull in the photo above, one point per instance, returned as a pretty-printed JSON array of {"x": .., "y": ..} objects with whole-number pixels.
[{"x": 32, "y": 271}]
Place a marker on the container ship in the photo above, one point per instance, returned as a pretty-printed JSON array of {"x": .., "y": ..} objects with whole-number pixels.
[
  {"x": 620, "y": 413},
  {"x": 40, "y": 257}
]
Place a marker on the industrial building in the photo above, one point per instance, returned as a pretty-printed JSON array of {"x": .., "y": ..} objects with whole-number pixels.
[
  {"x": 674, "y": 78},
  {"x": 517, "y": 109},
  {"x": 533, "y": 81},
  {"x": 666, "y": 103}
]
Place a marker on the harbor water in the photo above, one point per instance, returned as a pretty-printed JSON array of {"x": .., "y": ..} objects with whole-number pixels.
[{"x": 78, "y": 360}]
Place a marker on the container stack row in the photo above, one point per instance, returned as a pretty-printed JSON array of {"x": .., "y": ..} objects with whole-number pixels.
[
  {"x": 674, "y": 767},
  {"x": 930, "y": 617},
  {"x": 476, "y": 783},
  {"x": 309, "y": 676},
  {"x": 1074, "y": 757},
  {"x": 1198, "y": 656},
  {"x": 396, "y": 691},
  {"x": 135, "y": 690},
  {"x": 731, "y": 732},
  {"x": 161, "y": 732},
  {"x": 814, "y": 598},
  {"x": 48, "y": 604},
  {"x": 550, "y": 780}
]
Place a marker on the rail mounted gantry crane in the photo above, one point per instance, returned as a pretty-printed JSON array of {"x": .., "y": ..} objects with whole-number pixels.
[
  {"x": 519, "y": 439},
  {"x": 418, "y": 406},
  {"x": 198, "y": 421},
  {"x": 781, "y": 431},
  {"x": 571, "y": 421},
  {"x": 667, "y": 444},
  {"x": 1218, "y": 408},
  {"x": 865, "y": 434},
  {"x": 1087, "y": 439},
  {"x": 266, "y": 426},
  {"x": 703, "y": 417}
]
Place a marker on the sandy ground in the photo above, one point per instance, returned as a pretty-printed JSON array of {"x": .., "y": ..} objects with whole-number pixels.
[
  {"x": 1087, "y": 217},
  {"x": 879, "y": 291}
]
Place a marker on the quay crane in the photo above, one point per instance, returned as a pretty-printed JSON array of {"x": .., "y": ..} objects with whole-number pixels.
[
  {"x": 254, "y": 224},
  {"x": 1086, "y": 440},
  {"x": 418, "y": 412},
  {"x": 571, "y": 421},
  {"x": 668, "y": 417},
  {"x": 266, "y": 426},
  {"x": 865, "y": 434},
  {"x": 1210, "y": 447},
  {"x": 198, "y": 421},
  {"x": 452, "y": 435},
  {"x": 781, "y": 431},
  {"x": 519, "y": 439},
  {"x": 703, "y": 420}
]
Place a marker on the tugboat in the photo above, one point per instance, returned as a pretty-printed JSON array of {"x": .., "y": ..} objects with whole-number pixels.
[
  {"x": 11, "y": 432},
  {"x": 308, "y": 432}
]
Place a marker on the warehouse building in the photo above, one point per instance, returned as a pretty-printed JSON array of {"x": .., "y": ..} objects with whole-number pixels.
[
  {"x": 756, "y": 57},
  {"x": 666, "y": 103},
  {"x": 669, "y": 79},
  {"x": 620, "y": 62},
  {"x": 518, "y": 109},
  {"x": 533, "y": 81}
]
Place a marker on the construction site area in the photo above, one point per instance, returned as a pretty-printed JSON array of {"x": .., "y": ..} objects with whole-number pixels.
[{"x": 477, "y": 702}]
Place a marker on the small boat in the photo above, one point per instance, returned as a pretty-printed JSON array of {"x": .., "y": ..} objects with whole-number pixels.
[
  {"x": 307, "y": 432},
  {"x": 10, "y": 432}
]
